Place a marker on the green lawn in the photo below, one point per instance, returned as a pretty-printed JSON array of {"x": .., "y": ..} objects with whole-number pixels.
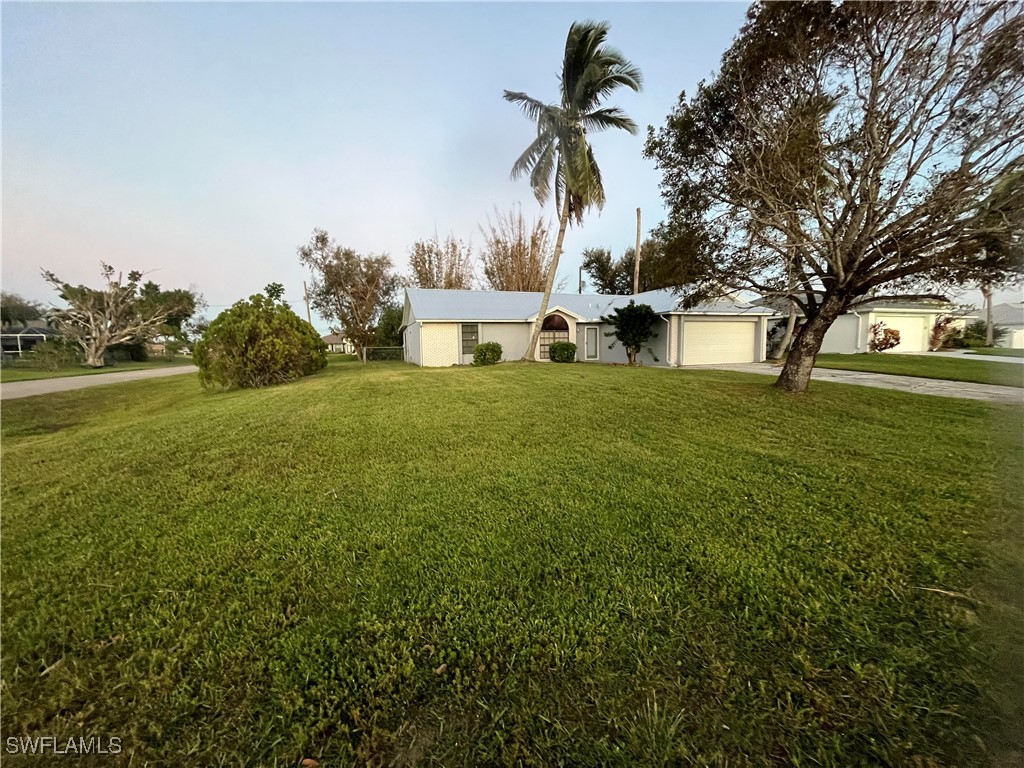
[
  {"x": 952, "y": 368},
  {"x": 519, "y": 565},
  {"x": 30, "y": 374},
  {"x": 997, "y": 351}
]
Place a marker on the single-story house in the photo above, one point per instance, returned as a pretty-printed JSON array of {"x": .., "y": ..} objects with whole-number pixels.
[
  {"x": 850, "y": 333},
  {"x": 17, "y": 341},
  {"x": 1011, "y": 317},
  {"x": 441, "y": 327},
  {"x": 337, "y": 343},
  {"x": 913, "y": 319}
]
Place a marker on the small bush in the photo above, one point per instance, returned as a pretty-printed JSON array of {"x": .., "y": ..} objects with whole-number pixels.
[
  {"x": 881, "y": 338},
  {"x": 562, "y": 352},
  {"x": 488, "y": 353},
  {"x": 941, "y": 332},
  {"x": 54, "y": 354},
  {"x": 256, "y": 343},
  {"x": 973, "y": 335}
]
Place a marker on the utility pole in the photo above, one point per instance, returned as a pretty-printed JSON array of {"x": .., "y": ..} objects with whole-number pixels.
[
  {"x": 636, "y": 257},
  {"x": 581, "y": 279},
  {"x": 305, "y": 296}
]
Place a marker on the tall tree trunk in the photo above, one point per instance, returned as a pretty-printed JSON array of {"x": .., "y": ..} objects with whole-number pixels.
[
  {"x": 787, "y": 337},
  {"x": 796, "y": 373},
  {"x": 990, "y": 330},
  {"x": 531, "y": 350},
  {"x": 94, "y": 355}
]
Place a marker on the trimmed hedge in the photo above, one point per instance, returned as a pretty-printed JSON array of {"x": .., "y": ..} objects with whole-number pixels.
[
  {"x": 562, "y": 352},
  {"x": 488, "y": 353}
]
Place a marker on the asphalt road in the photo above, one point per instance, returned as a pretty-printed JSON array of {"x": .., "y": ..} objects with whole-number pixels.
[{"x": 16, "y": 389}]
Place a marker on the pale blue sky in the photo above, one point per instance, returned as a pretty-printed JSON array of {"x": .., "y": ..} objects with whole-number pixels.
[{"x": 204, "y": 142}]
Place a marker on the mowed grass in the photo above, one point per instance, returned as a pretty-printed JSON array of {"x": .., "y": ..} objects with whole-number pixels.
[
  {"x": 8, "y": 375},
  {"x": 517, "y": 565},
  {"x": 929, "y": 367},
  {"x": 997, "y": 351}
]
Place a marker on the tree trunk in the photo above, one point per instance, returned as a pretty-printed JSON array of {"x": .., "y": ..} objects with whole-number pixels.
[
  {"x": 990, "y": 331},
  {"x": 787, "y": 337},
  {"x": 796, "y": 373},
  {"x": 94, "y": 356},
  {"x": 531, "y": 350}
]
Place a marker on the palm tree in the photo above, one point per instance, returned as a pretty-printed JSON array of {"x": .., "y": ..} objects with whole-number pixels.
[{"x": 560, "y": 156}]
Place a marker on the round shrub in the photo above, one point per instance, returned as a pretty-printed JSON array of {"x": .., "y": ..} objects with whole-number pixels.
[
  {"x": 256, "y": 343},
  {"x": 488, "y": 353},
  {"x": 562, "y": 352}
]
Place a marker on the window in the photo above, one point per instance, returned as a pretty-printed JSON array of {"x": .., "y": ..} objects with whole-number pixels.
[
  {"x": 470, "y": 338},
  {"x": 590, "y": 343}
]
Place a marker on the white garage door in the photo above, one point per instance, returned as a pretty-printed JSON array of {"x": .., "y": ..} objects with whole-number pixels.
[
  {"x": 912, "y": 331},
  {"x": 710, "y": 342}
]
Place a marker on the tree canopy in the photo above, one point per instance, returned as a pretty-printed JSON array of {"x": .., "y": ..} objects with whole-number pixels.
[
  {"x": 436, "y": 263},
  {"x": 660, "y": 267},
  {"x": 349, "y": 289},
  {"x": 516, "y": 255},
  {"x": 850, "y": 151},
  {"x": 14, "y": 310}
]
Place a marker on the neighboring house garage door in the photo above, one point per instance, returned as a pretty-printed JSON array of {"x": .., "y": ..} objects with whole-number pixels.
[
  {"x": 912, "y": 331},
  {"x": 707, "y": 342}
]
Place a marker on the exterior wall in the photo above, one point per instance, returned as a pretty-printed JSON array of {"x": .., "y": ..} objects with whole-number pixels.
[
  {"x": 1014, "y": 338},
  {"x": 673, "y": 340},
  {"x": 843, "y": 337},
  {"x": 440, "y": 344},
  {"x": 411, "y": 339},
  {"x": 513, "y": 337}
]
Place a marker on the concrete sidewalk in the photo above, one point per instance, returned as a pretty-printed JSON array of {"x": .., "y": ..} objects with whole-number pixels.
[
  {"x": 989, "y": 393},
  {"x": 17, "y": 389}
]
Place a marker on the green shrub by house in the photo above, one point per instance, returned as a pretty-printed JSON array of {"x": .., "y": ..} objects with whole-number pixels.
[
  {"x": 257, "y": 343},
  {"x": 562, "y": 352},
  {"x": 488, "y": 353}
]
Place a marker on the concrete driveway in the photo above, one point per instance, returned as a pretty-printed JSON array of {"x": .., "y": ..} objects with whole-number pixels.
[
  {"x": 964, "y": 354},
  {"x": 16, "y": 389},
  {"x": 989, "y": 393}
]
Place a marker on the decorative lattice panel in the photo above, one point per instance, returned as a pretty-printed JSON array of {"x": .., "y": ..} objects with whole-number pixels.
[{"x": 441, "y": 344}]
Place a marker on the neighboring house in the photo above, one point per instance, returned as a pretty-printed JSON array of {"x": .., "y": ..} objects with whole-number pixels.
[
  {"x": 17, "y": 341},
  {"x": 914, "y": 320},
  {"x": 1011, "y": 317},
  {"x": 441, "y": 327},
  {"x": 338, "y": 343}
]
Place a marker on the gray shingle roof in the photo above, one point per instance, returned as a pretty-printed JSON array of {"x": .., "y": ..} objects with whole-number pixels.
[
  {"x": 1008, "y": 314},
  {"x": 492, "y": 306}
]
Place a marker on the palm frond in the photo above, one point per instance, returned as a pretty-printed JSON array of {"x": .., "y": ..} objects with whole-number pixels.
[
  {"x": 610, "y": 117},
  {"x": 530, "y": 106},
  {"x": 528, "y": 160}
]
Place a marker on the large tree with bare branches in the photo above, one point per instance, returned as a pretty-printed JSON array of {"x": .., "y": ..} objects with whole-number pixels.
[
  {"x": 516, "y": 255},
  {"x": 851, "y": 151},
  {"x": 349, "y": 290},
  {"x": 118, "y": 313},
  {"x": 437, "y": 263}
]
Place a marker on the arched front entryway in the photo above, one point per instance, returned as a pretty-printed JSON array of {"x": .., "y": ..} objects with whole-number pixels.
[{"x": 555, "y": 328}]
